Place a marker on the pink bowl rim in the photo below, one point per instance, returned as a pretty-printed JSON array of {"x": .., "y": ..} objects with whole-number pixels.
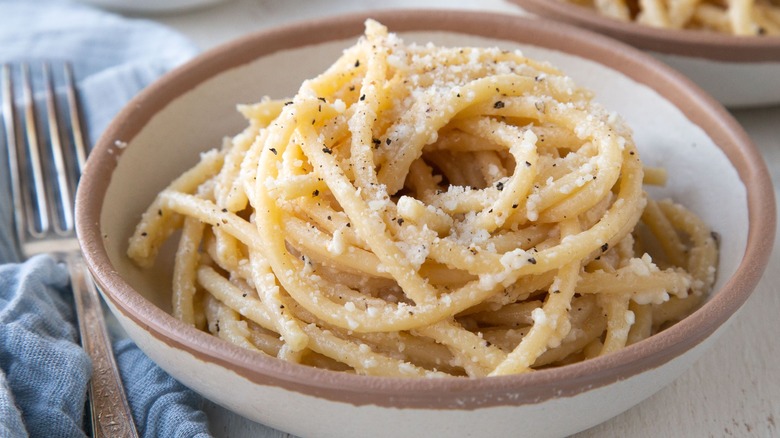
[
  {"x": 448, "y": 393},
  {"x": 688, "y": 43}
]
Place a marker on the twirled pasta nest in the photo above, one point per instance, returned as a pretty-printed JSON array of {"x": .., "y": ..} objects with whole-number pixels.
[{"x": 421, "y": 211}]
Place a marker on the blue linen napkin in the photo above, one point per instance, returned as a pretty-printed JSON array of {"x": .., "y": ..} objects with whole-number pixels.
[{"x": 43, "y": 371}]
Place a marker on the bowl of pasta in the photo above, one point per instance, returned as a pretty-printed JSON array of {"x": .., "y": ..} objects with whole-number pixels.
[
  {"x": 729, "y": 48},
  {"x": 462, "y": 222}
]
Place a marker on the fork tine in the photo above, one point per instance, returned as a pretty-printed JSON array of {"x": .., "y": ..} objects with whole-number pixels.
[
  {"x": 75, "y": 119},
  {"x": 12, "y": 151},
  {"x": 63, "y": 189},
  {"x": 41, "y": 207}
]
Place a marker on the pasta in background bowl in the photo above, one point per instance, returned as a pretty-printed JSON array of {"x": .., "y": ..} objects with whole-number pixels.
[
  {"x": 735, "y": 17},
  {"x": 729, "y": 48},
  {"x": 713, "y": 170}
]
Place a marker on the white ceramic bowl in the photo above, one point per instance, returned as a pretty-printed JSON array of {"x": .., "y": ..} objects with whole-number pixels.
[
  {"x": 713, "y": 169},
  {"x": 738, "y": 71}
]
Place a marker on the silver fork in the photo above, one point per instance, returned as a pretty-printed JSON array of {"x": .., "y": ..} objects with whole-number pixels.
[{"x": 43, "y": 180}]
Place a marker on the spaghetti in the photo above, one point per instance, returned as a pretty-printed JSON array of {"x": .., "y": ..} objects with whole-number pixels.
[
  {"x": 424, "y": 211},
  {"x": 737, "y": 17}
]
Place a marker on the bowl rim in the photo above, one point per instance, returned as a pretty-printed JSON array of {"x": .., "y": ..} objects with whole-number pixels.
[
  {"x": 694, "y": 44},
  {"x": 447, "y": 393}
]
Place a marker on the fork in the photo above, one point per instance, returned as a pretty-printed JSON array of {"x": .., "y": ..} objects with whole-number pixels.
[{"x": 43, "y": 180}]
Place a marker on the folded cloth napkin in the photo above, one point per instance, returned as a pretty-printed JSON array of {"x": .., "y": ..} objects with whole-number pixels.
[{"x": 43, "y": 371}]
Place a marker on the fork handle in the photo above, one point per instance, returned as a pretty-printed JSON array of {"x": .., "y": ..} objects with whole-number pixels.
[{"x": 111, "y": 414}]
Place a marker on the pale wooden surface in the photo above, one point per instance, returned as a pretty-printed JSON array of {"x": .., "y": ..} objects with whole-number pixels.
[{"x": 733, "y": 390}]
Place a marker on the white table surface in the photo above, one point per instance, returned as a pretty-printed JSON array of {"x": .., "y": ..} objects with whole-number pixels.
[{"x": 733, "y": 390}]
